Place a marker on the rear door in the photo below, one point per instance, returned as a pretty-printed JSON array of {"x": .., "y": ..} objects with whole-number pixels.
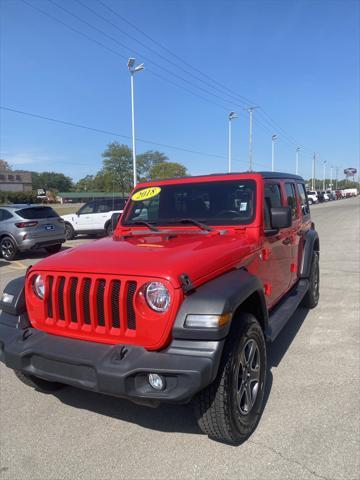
[{"x": 292, "y": 238}]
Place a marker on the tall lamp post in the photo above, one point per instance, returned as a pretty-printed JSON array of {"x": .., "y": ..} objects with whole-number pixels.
[
  {"x": 324, "y": 162},
  {"x": 133, "y": 70},
  {"x": 232, "y": 116},
  {"x": 297, "y": 161},
  {"x": 273, "y": 138}
]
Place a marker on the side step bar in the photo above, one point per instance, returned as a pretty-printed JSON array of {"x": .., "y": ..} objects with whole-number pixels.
[{"x": 282, "y": 312}]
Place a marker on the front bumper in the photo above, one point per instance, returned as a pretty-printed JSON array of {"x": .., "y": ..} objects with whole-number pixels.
[{"x": 188, "y": 366}]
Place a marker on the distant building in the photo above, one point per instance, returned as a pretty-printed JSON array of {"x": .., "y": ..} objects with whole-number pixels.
[
  {"x": 83, "y": 197},
  {"x": 14, "y": 181}
]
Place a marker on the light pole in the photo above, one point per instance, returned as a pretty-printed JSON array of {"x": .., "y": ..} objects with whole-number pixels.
[
  {"x": 324, "y": 162},
  {"x": 273, "y": 138},
  {"x": 337, "y": 174},
  {"x": 232, "y": 115},
  {"x": 133, "y": 70},
  {"x": 297, "y": 161},
  {"x": 313, "y": 186},
  {"x": 331, "y": 175},
  {"x": 250, "y": 110}
]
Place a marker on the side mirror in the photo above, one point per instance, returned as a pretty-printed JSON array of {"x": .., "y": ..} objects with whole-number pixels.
[
  {"x": 280, "y": 217},
  {"x": 114, "y": 220}
]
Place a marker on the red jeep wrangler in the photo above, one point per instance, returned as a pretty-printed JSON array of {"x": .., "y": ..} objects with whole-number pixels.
[{"x": 178, "y": 304}]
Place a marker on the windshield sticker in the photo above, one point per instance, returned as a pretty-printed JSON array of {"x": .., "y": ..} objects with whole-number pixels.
[
  {"x": 146, "y": 194},
  {"x": 243, "y": 206}
]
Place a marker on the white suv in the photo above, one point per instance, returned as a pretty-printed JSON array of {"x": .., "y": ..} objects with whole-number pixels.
[
  {"x": 312, "y": 197},
  {"x": 93, "y": 217}
]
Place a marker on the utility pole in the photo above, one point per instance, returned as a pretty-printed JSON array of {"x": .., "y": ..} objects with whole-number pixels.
[
  {"x": 250, "y": 110},
  {"x": 232, "y": 115},
  {"x": 273, "y": 138},
  {"x": 313, "y": 186},
  {"x": 324, "y": 162},
  {"x": 297, "y": 161}
]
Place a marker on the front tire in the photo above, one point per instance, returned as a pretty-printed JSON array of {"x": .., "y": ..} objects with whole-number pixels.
[
  {"x": 8, "y": 248},
  {"x": 229, "y": 409},
  {"x": 311, "y": 298},
  {"x": 38, "y": 383}
]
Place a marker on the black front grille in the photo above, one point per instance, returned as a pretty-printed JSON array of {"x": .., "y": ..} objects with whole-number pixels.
[
  {"x": 131, "y": 318},
  {"x": 86, "y": 301},
  {"x": 100, "y": 302},
  {"x": 115, "y": 303},
  {"x": 61, "y": 298},
  {"x": 93, "y": 302}
]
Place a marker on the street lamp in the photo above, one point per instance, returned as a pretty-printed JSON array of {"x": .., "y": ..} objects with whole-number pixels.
[
  {"x": 297, "y": 161},
  {"x": 232, "y": 116},
  {"x": 133, "y": 70},
  {"x": 273, "y": 138},
  {"x": 324, "y": 162}
]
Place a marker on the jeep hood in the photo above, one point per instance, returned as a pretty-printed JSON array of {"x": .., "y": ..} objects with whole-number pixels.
[{"x": 198, "y": 255}]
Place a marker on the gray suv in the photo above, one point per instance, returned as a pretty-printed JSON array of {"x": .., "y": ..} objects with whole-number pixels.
[{"x": 29, "y": 227}]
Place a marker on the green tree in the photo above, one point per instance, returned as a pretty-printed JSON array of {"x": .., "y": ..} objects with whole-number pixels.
[
  {"x": 145, "y": 161},
  {"x": 117, "y": 168},
  {"x": 167, "y": 170},
  {"x": 51, "y": 181},
  {"x": 85, "y": 184}
]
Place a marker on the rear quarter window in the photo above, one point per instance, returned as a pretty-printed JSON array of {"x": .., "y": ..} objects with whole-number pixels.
[{"x": 37, "y": 213}]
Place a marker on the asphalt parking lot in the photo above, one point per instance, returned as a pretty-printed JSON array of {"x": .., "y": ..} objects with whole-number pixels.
[{"x": 309, "y": 428}]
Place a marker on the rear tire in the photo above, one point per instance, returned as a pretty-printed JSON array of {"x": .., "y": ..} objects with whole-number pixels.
[
  {"x": 229, "y": 409},
  {"x": 38, "y": 383},
  {"x": 311, "y": 298},
  {"x": 8, "y": 248},
  {"x": 53, "y": 248},
  {"x": 69, "y": 232}
]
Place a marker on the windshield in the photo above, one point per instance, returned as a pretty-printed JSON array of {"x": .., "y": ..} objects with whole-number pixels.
[{"x": 229, "y": 202}]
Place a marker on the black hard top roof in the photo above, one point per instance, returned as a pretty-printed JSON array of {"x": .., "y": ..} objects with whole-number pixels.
[{"x": 281, "y": 175}]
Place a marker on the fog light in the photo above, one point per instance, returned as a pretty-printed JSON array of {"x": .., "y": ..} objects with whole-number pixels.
[{"x": 157, "y": 382}]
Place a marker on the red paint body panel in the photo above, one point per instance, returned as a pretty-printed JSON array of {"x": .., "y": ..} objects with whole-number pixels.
[{"x": 78, "y": 277}]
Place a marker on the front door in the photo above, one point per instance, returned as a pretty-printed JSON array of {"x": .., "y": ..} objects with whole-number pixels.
[{"x": 275, "y": 267}]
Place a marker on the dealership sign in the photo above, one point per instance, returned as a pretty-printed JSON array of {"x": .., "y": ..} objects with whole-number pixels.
[{"x": 350, "y": 172}]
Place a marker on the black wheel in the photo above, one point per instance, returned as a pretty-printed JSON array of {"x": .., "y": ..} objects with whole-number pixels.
[
  {"x": 312, "y": 296},
  {"x": 54, "y": 248},
  {"x": 310, "y": 201},
  {"x": 230, "y": 408},
  {"x": 8, "y": 248},
  {"x": 38, "y": 383},
  {"x": 69, "y": 232},
  {"x": 109, "y": 230}
]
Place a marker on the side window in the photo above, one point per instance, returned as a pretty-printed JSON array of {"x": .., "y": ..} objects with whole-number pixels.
[
  {"x": 272, "y": 199},
  {"x": 305, "y": 209},
  {"x": 291, "y": 199},
  {"x": 4, "y": 215},
  {"x": 87, "y": 208}
]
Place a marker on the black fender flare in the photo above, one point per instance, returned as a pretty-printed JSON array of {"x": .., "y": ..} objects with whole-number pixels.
[
  {"x": 312, "y": 243},
  {"x": 224, "y": 294},
  {"x": 17, "y": 305}
]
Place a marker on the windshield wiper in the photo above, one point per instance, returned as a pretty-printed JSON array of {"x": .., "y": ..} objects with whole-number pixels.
[
  {"x": 142, "y": 222},
  {"x": 201, "y": 225}
]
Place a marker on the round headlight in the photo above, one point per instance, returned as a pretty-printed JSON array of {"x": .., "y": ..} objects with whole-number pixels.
[
  {"x": 157, "y": 296},
  {"x": 39, "y": 286}
]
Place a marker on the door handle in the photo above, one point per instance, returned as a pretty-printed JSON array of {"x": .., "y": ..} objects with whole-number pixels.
[{"x": 287, "y": 241}]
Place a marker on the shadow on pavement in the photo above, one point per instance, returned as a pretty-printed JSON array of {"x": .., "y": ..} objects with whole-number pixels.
[{"x": 174, "y": 418}]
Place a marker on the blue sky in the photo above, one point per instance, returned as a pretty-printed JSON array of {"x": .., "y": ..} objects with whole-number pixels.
[{"x": 298, "y": 60}]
